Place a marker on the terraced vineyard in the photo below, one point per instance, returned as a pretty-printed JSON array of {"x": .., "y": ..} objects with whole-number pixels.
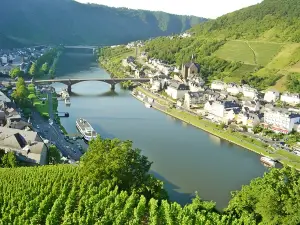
[
  {"x": 249, "y": 52},
  {"x": 57, "y": 195}
]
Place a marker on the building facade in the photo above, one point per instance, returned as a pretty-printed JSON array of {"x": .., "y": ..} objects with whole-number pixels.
[
  {"x": 271, "y": 96},
  {"x": 290, "y": 98},
  {"x": 281, "y": 120}
]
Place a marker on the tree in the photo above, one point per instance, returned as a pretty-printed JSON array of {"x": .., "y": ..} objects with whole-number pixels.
[
  {"x": 53, "y": 155},
  {"x": 117, "y": 161},
  {"x": 16, "y": 72},
  {"x": 222, "y": 125},
  {"x": 33, "y": 69},
  {"x": 257, "y": 129},
  {"x": 45, "y": 68},
  {"x": 9, "y": 160},
  {"x": 32, "y": 97},
  {"x": 269, "y": 200},
  {"x": 21, "y": 93}
]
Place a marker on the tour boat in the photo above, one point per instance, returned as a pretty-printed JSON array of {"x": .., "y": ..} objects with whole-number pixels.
[
  {"x": 147, "y": 105},
  {"x": 267, "y": 161},
  {"x": 85, "y": 129}
]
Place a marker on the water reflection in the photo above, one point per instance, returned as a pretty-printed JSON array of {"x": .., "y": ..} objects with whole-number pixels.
[{"x": 214, "y": 139}]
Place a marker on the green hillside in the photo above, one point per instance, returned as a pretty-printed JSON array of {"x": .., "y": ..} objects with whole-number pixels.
[
  {"x": 272, "y": 20},
  {"x": 111, "y": 185},
  {"x": 257, "y": 45},
  {"x": 249, "y": 52},
  {"x": 70, "y": 22}
]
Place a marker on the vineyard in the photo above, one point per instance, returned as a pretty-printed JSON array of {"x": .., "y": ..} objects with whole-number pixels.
[
  {"x": 112, "y": 185},
  {"x": 56, "y": 195}
]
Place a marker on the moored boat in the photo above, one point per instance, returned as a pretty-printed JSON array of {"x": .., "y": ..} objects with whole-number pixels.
[
  {"x": 86, "y": 129},
  {"x": 147, "y": 105},
  {"x": 67, "y": 101},
  {"x": 267, "y": 161}
]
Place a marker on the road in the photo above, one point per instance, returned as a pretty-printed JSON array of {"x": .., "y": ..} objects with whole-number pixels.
[{"x": 53, "y": 133}]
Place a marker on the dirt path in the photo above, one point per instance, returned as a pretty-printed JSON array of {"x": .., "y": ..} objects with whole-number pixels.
[{"x": 254, "y": 54}]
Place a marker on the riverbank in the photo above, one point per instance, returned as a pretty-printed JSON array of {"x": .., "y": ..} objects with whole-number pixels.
[{"x": 233, "y": 137}]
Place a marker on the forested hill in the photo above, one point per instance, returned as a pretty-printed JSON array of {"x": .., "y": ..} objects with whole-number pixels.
[
  {"x": 70, "y": 22},
  {"x": 275, "y": 20}
]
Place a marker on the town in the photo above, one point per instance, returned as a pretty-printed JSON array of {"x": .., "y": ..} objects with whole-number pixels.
[
  {"x": 268, "y": 116},
  {"x": 30, "y": 132}
]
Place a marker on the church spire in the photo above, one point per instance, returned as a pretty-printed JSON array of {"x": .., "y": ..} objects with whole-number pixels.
[{"x": 192, "y": 57}]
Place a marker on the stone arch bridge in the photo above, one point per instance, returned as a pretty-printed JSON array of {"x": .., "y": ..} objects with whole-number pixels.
[{"x": 69, "y": 82}]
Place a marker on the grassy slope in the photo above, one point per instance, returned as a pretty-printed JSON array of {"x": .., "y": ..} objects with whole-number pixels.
[
  {"x": 238, "y": 51},
  {"x": 271, "y": 28},
  {"x": 276, "y": 58}
]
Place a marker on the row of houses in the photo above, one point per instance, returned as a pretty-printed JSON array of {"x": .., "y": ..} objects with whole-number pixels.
[
  {"x": 220, "y": 103},
  {"x": 250, "y": 92},
  {"x": 17, "y": 135},
  {"x": 10, "y": 59}
]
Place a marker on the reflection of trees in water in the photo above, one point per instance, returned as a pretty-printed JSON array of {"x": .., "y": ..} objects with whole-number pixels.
[{"x": 73, "y": 62}]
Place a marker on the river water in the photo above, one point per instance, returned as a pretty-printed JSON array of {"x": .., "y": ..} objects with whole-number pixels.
[{"x": 185, "y": 158}]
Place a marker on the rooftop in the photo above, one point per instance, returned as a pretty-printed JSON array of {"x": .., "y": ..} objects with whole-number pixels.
[
  {"x": 25, "y": 143},
  {"x": 3, "y": 97}
]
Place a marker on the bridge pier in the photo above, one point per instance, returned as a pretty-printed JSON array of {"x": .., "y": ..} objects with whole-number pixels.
[
  {"x": 69, "y": 88},
  {"x": 112, "y": 87}
]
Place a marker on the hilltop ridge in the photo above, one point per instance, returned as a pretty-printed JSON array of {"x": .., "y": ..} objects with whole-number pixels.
[{"x": 70, "y": 22}]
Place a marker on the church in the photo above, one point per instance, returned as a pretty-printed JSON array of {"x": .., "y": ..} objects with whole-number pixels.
[{"x": 190, "y": 69}]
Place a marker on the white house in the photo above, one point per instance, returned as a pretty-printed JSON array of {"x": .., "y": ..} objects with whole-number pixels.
[
  {"x": 185, "y": 35},
  {"x": 281, "y": 120},
  {"x": 249, "y": 92},
  {"x": 193, "y": 98},
  {"x": 233, "y": 89},
  {"x": 218, "y": 85},
  {"x": 251, "y": 106},
  {"x": 218, "y": 109},
  {"x": 195, "y": 85},
  {"x": 271, "y": 96},
  {"x": 248, "y": 119},
  {"x": 290, "y": 98},
  {"x": 156, "y": 85},
  {"x": 177, "y": 89},
  {"x": 4, "y": 59}
]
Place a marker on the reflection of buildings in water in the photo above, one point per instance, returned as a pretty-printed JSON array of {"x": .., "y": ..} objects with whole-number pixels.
[
  {"x": 215, "y": 139},
  {"x": 171, "y": 118},
  {"x": 184, "y": 124}
]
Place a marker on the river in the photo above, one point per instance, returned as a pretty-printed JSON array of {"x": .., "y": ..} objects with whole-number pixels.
[{"x": 185, "y": 158}]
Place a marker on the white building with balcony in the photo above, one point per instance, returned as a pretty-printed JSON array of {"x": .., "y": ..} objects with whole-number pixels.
[{"x": 281, "y": 120}]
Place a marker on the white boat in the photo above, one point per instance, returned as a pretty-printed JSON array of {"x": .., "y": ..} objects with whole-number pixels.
[
  {"x": 85, "y": 129},
  {"x": 147, "y": 105},
  {"x": 267, "y": 161},
  {"x": 67, "y": 101}
]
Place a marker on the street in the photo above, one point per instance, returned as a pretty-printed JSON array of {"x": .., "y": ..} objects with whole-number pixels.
[{"x": 52, "y": 132}]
